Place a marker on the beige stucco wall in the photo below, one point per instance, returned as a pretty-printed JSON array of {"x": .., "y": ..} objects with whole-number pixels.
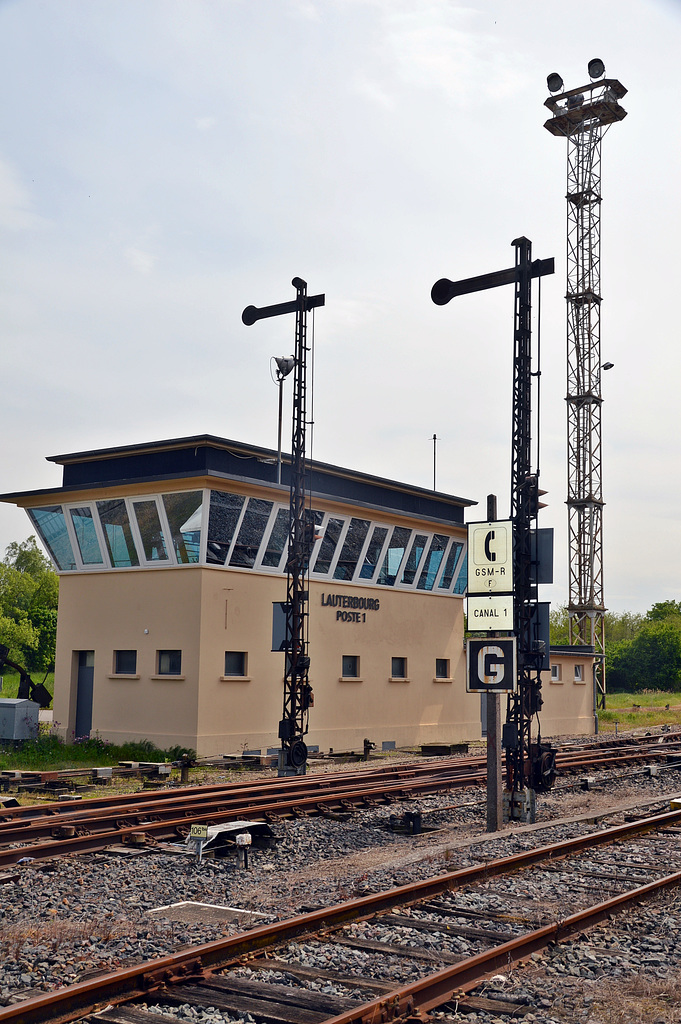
[
  {"x": 142, "y": 611},
  {"x": 207, "y": 611},
  {"x": 568, "y": 705}
]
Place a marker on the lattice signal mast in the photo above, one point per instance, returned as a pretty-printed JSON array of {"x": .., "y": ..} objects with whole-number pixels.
[{"x": 582, "y": 116}]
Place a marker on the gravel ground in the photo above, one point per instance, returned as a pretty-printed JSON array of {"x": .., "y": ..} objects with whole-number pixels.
[{"x": 81, "y": 914}]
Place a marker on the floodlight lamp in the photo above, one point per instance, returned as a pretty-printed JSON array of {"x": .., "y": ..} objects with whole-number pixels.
[
  {"x": 284, "y": 365},
  {"x": 607, "y": 366},
  {"x": 596, "y": 68},
  {"x": 554, "y": 82}
]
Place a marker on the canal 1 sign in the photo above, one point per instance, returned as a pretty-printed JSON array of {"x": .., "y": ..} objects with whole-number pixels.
[
  {"x": 490, "y": 612},
  {"x": 490, "y": 558},
  {"x": 491, "y": 665}
]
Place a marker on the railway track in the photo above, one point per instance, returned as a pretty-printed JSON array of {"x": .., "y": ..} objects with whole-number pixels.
[
  {"x": 53, "y": 829},
  {"x": 396, "y": 954}
]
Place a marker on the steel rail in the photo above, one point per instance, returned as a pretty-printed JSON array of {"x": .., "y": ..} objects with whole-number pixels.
[
  {"x": 581, "y": 757},
  {"x": 566, "y": 757},
  {"x": 67, "y": 1004},
  {"x": 144, "y": 801},
  {"x": 172, "y": 827},
  {"x": 298, "y": 784},
  {"x": 218, "y": 809},
  {"x": 436, "y": 989}
]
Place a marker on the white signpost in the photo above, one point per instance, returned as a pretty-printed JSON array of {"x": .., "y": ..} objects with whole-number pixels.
[
  {"x": 490, "y": 558},
  {"x": 490, "y": 612}
]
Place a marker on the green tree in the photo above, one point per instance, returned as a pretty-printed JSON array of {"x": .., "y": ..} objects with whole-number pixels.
[
  {"x": 621, "y": 626},
  {"x": 29, "y": 595},
  {"x": 665, "y": 611},
  {"x": 20, "y": 637},
  {"x": 651, "y": 660},
  {"x": 559, "y": 625}
]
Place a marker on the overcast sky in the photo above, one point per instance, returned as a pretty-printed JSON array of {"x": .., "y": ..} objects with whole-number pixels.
[{"x": 164, "y": 164}]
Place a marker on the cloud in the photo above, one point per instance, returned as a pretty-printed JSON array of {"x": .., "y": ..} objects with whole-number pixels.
[
  {"x": 141, "y": 261},
  {"x": 16, "y": 213}
]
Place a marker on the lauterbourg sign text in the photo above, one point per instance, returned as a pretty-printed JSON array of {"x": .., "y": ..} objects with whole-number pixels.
[{"x": 350, "y": 608}]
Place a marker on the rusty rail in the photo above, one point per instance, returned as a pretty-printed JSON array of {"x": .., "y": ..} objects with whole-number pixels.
[{"x": 69, "y": 1003}]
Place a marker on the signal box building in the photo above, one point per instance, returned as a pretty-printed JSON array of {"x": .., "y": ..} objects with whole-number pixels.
[{"x": 171, "y": 556}]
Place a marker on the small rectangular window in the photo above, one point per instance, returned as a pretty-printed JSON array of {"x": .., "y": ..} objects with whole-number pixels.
[
  {"x": 125, "y": 663},
  {"x": 235, "y": 663},
  {"x": 442, "y": 668},
  {"x": 579, "y": 673},
  {"x": 555, "y": 673},
  {"x": 350, "y": 669},
  {"x": 169, "y": 663},
  {"x": 398, "y": 668}
]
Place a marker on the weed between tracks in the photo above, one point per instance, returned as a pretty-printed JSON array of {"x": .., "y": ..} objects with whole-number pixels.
[
  {"x": 640, "y": 1000},
  {"x": 54, "y": 934}
]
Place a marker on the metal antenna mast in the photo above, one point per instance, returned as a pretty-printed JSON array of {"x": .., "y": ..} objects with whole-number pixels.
[
  {"x": 297, "y": 690},
  {"x": 582, "y": 116}
]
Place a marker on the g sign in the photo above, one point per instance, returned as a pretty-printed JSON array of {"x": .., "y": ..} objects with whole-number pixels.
[{"x": 491, "y": 665}]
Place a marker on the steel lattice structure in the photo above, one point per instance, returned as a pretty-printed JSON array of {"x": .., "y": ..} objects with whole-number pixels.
[
  {"x": 582, "y": 116},
  {"x": 298, "y": 697}
]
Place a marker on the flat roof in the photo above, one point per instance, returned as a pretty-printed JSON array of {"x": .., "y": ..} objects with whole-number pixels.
[{"x": 205, "y": 455}]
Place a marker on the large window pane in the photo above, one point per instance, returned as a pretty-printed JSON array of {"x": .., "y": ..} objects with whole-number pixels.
[
  {"x": 328, "y": 545},
  {"x": 184, "y": 512},
  {"x": 462, "y": 578},
  {"x": 113, "y": 516},
  {"x": 277, "y": 539},
  {"x": 51, "y": 526},
  {"x": 149, "y": 524},
  {"x": 251, "y": 533},
  {"x": 373, "y": 553},
  {"x": 393, "y": 556},
  {"x": 86, "y": 536},
  {"x": 350, "y": 552},
  {"x": 436, "y": 553},
  {"x": 415, "y": 556},
  {"x": 223, "y": 516},
  {"x": 448, "y": 573}
]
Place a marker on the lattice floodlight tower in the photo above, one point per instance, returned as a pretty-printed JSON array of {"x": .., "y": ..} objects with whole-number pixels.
[{"x": 582, "y": 116}]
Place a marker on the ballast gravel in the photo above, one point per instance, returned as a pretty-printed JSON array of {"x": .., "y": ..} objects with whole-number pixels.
[{"x": 69, "y": 918}]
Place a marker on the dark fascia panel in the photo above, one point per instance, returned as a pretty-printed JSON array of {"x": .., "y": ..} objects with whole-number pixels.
[
  {"x": 206, "y": 455},
  {"x": 572, "y": 649}
]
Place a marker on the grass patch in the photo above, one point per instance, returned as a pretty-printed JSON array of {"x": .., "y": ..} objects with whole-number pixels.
[
  {"x": 10, "y": 682},
  {"x": 49, "y": 752},
  {"x": 640, "y": 710}
]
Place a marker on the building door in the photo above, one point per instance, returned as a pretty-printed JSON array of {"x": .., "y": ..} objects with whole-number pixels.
[{"x": 86, "y": 681}]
